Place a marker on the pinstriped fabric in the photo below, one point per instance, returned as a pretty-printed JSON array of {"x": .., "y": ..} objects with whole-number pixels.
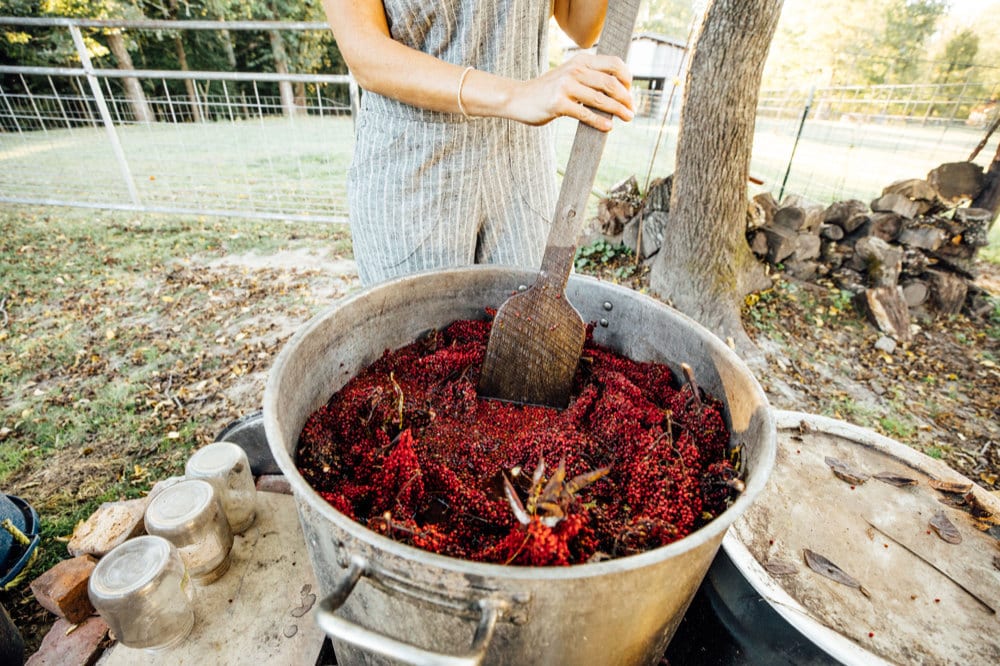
[{"x": 432, "y": 190}]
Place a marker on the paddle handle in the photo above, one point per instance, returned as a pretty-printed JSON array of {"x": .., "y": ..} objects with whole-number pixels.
[{"x": 584, "y": 158}]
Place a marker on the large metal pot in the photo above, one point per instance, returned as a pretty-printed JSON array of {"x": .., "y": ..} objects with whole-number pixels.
[{"x": 418, "y": 607}]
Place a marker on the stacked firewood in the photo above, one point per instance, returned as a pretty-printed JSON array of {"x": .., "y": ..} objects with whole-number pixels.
[{"x": 910, "y": 252}]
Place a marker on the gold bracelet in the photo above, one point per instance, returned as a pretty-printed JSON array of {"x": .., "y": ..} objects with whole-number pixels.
[{"x": 461, "y": 83}]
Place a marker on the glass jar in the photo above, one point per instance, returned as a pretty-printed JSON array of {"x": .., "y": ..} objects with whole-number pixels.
[
  {"x": 225, "y": 465},
  {"x": 190, "y": 516},
  {"x": 142, "y": 591}
]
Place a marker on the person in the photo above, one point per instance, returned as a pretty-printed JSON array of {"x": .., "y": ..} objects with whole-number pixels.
[{"x": 454, "y": 162}]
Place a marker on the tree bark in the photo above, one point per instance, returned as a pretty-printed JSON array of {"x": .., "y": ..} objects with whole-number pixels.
[
  {"x": 189, "y": 85},
  {"x": 989, "y": 197},
  {"x": 133, "y": 89},
  {"x": 281, "y": 67},
  {"x": 705, "y": 267}
]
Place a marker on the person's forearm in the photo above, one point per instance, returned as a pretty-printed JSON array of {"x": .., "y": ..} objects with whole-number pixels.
[
  {"x": 384, "y": 66},
  {"x": 581, "y": 20}
]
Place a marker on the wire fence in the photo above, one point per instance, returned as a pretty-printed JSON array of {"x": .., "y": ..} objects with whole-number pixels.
[{"x": 229, "y": 143}]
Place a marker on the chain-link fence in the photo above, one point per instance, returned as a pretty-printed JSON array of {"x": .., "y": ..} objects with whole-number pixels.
[{"x": 232, "y": 143}]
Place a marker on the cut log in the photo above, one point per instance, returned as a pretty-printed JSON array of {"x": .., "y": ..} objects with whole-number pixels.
[
  {"x": 781, "y": 243},
  {"x": 768, "y": 204},
  {"x": 755, "y": 216},
  {"x": 807, "y": 247},
  {"x": 915, "y": 292},
  {"x": 948, "y": 291},
  {"x": 653, "y": 226},
  {"x": 976, "y": 222},
  {"x": 839, "y": 212},
  {"x": 881, "y": 262},
  {"x": 885, "y": 226},
  {"x": 801, "y": 270},
  {"x": 957, "y": 181},
  {"x": 621, "y": 204},
  {"x": 915, "y": 262},
  {"x": 896, "y": 203},
  {"x": 658, "y": 195},
  {"x": 855, "y": 222},
  {"x": 959, "y": 257},
  {"x": 758, "y": 243},
  {"x": 850, "y": 280},
  {"x": 831, "y": 231},
  {"x": 922, "y": 236},
  {"x": 886, "y": 308},
  {"x": 790, "y": 217},
  {"x": 912, "y": 188},
  {"x": 814, "y": 218},
  {"x": 919, "y": 191},
  {"x": 834, "y": 254}
]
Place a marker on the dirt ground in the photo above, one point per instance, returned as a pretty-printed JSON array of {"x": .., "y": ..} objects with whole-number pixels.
[{"x": 939, "y": 394}]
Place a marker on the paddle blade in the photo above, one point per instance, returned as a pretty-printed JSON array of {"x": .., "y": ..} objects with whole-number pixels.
[{"x": 534, "y": 348}]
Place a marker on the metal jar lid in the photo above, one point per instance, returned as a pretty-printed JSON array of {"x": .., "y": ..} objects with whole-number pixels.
[
  {"x": 213, "y": 459},
  {"x": 130, "y": 567},
  {"x": 180, "y": 512}
]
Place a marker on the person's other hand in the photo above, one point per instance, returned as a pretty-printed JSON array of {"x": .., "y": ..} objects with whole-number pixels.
[{"x": 581, "y": 84}]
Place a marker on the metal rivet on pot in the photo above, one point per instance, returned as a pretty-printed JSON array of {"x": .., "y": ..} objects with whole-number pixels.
[
  {"x": 608, "y": 306},
  {"x": 343, "y": 557},
  {"x": 604, "y": 323}
]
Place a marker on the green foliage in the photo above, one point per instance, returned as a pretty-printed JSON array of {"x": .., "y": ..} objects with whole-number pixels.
[
  {"x": 600, "y": 253},
  {"x": 959, "y": 56},
  {"x": 897, "y": 54},
  {"x": 897, "y": 427},
  {"x": 993, "y": 331}
]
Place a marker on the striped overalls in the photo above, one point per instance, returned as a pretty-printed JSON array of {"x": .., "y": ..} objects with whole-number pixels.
[{"x": 433, "y": 190}]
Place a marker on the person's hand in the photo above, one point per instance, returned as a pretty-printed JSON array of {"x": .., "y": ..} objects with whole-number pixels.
[{"x": 573, "y": 89}]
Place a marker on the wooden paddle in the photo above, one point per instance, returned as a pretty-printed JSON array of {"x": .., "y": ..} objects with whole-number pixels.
[{"x": 537, "y": 335}]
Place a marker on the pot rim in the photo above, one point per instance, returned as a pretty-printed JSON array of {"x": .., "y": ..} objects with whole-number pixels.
[{"x": 713, "y": 530}]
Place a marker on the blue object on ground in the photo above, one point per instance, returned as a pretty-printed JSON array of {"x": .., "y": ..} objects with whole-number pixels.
[{"x": 15, "y": 556}]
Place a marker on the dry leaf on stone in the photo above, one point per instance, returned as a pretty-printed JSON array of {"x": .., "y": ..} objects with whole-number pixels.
[
  {"x": 950, "y": 486},
  {"x": 945, "y": 528},
  {"x": 777, "y": 567},
  {"x": 975, "y": 507},
  {"x": 895, "y": 479},
  {"x": 845, "y": 472},
  {"x": 825, "y": 567}
]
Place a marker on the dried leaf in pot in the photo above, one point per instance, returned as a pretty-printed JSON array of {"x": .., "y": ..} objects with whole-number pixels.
[
  {"x": 825, "y": 567},
  {"x": 845, "y": 472},
  {"x": 945, "y": 528},
  {"x": 950, "y": 486},
  {"x": 895, "y": 479}
]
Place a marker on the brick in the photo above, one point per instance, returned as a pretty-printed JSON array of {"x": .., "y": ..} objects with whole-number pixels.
[
  {"x": 274, "y": 483},
  {"x": 82, "y": 646},
  {"x": 63, "y": 589},
  {"x": 113, "y": 523}
]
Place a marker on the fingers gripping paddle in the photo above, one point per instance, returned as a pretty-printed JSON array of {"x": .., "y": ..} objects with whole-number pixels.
[{"x": 537, "y": 335}]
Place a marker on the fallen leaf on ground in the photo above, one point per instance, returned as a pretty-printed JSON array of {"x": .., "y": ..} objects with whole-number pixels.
[{"x": 895, "y": 479}]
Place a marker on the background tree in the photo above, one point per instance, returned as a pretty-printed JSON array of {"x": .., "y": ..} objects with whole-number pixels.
[
  {"x": 705, "y": 267},
  {"x": 896, "y": 54},
  {"x": 958, "y": 57}
]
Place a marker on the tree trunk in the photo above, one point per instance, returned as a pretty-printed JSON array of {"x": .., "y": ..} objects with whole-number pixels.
[
  {"x": 281, "y": 67},
  {"x": 133, "y": 90},
  {"x": 705, "y": 267},
  {"x": 989, "y": 197},
  {"x": 189, "y": 85}
]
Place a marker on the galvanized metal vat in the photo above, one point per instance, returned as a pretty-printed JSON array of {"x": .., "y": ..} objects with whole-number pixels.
[{"x": 418, "y": 607}]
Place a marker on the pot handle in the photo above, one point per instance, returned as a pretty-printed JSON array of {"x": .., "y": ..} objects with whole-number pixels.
[{"x": 373, "y": 641}]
